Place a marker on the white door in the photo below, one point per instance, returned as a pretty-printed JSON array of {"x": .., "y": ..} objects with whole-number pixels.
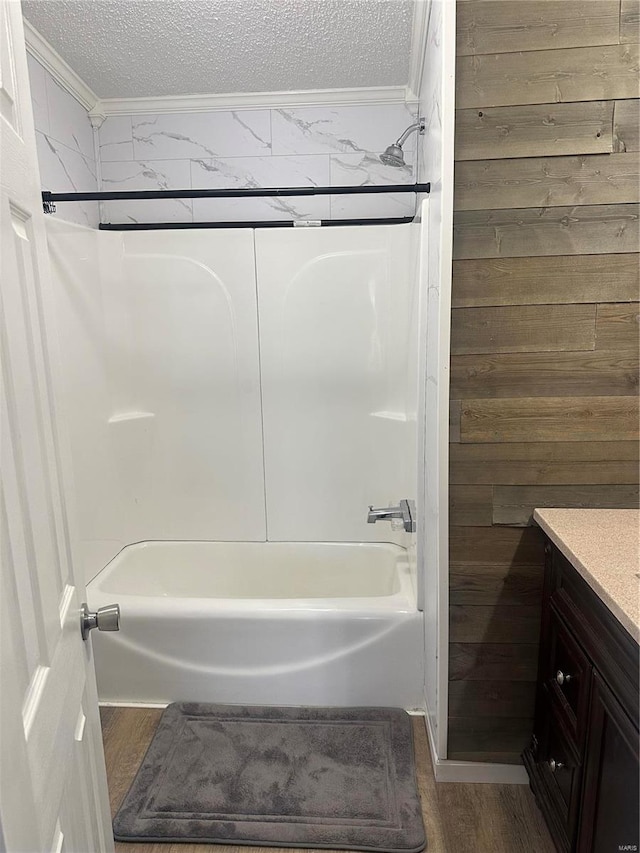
[{"x": 53, "y": 794}]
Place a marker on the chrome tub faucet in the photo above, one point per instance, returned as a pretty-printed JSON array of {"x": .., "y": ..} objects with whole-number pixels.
[{"x": 405, "y": 510}]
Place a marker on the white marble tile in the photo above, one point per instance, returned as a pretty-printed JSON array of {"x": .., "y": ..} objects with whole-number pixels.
[
  {"x": 116, "y": 139},
  {"x": 235, "y": 172},
  {"x": 362, "y": 169},
  {"x": 64, "y": 170},
  {"x": 331, "y": 130},
  {"x": 163, "y": 210},
  {"x": 260, "y": 209},
  {"x": 191, "y": 135},
  {"x": 372, "y": 206},
  {"x": 261, "y": 172},
  {"x": 38, "y": 84},
  {"x": 366, "y": 169},
  {"x": 147, "y": 175},
  {"x": 68, "y": 120}
]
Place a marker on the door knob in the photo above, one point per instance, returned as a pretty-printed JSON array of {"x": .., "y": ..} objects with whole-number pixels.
[{"x": 104, "y": 619}]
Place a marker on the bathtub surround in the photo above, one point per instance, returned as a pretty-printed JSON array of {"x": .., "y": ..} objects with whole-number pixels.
[
  {"x": 245, "y": 386},
  {"x": 64, "y": 136},
  {"x": 284, "y": 777},
  {"x": 196, "y": 355}
]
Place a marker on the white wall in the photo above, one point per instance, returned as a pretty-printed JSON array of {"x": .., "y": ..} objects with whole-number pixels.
[
  {"x": 437, "y": 105},
  {"x": 65, "y": 143}
]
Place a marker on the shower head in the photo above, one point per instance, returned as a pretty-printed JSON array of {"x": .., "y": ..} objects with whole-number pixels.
[{"x": 394, "y": 155}]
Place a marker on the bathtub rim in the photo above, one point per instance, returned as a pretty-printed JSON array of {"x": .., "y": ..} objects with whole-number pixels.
[{"x": 401, "y": 601}]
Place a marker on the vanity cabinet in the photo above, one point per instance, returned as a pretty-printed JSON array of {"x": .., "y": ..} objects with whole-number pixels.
[{"x": 583, "y": 760}]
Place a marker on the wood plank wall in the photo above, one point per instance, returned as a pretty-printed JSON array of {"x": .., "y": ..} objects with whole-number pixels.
[{"x": 544, "y": 367}]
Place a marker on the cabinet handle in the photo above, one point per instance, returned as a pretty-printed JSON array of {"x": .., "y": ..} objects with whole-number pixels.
[
  {"x": 555, "y": 765},
  {"x": 561, "y": 678}
]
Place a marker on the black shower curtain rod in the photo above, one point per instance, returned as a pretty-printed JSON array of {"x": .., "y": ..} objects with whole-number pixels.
[
  {"x": 129, "y": 195},
  {"x": 285, "y": 223}
]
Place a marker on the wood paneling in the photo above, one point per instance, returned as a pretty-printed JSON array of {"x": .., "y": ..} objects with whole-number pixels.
[
  {"x": 538, "y": 130},
  {"x": 471, "y": 505},
  {"x": 626, "y": 126},
  {"x": 454, "y": 420},
  {"x": 546, "y": 222},
  {"x": 550, "y": 419},
  {"x": 497, "y": 545},
  {"x": 495, "y": 624},
  {"x": 523, "y": 329},
  {"x": 547, "y": 181},
  {"x": 629, "y": 21},
  {"x": 495, "y": 583},
  {"x": 545, "y": 464},
  {"x": 491, "y": 698},
  {"x": 617, "y": 327},
  {"x": 588, "y": 230},
  {"x": 496, "y": 25},
  {"x": 533, "y": 77},
  {"x": 571, "y": 374},
  {"x": 515, "y": 504},
  {"x": 545, "y": 280},
  {"x": 493, "y": 661},
  {"x": 499, "y": 739}
]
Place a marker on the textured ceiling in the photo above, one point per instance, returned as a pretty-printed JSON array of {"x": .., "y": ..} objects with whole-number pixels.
[{"x": 145, "y": 48}]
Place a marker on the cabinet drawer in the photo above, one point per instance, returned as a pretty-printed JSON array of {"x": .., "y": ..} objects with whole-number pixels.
[
  {"x": 560, "y": 771},
  {"x": 567, "y": 678}
]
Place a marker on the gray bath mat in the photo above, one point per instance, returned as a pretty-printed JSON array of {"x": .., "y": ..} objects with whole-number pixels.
[{"x": 295, "y": 777}]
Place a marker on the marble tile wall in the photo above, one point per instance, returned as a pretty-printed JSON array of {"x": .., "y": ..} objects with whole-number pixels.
[
  {"x": 311, "y": 146},
  {"x": 64, "y": 138},
  {"x": 314, "y": 146}
]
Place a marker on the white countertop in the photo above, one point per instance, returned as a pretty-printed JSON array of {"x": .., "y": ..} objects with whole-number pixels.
[{"x": 604, "y": 547}]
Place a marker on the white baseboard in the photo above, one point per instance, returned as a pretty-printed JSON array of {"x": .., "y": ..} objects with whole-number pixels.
[{"x": 446, "y": 770}]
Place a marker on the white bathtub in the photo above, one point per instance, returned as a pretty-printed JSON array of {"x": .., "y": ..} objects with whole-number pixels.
[{"x": 260, "y": 623}]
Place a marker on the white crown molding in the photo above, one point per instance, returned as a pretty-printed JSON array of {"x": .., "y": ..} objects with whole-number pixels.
[
  {"x": 62, "y": 73},
  {"x": 418, "y": 49},
  {"x": 251, "y": 101}
]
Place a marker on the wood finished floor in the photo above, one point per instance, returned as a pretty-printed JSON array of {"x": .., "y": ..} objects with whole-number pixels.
[{"x": 459, "y": 818}]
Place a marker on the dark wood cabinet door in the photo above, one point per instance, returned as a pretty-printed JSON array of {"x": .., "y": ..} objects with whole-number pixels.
[{"x": 610, "y": 803}]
